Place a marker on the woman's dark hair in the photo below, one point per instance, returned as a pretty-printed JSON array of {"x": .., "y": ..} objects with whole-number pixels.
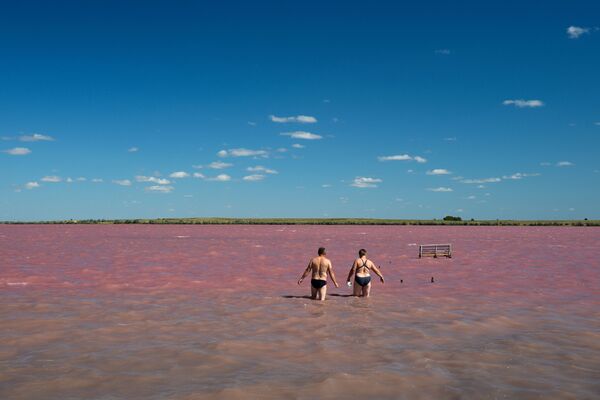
[
  {"x": 362, "y": 252},
  {"x": 321, "y": 251}
]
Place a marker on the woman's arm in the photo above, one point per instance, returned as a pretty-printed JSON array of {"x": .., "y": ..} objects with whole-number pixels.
[
  {"x": 377, "y": 272},
  {"x": 351, "y": 271}
]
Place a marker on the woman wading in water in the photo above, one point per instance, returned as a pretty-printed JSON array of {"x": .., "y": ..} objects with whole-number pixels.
[{"x": 362, "y": 277}]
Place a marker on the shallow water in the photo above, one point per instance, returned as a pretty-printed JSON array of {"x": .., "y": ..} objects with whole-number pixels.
[{"x": 214, "y": 312}]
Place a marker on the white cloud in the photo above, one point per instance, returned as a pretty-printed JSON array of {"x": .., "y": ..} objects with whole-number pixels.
[
  {"x": 260, "y": 168},
  {"x": 254, "y": 177},
  {"x": 441, "y": 189},
  {"x": 450, "y": 139},
  {"x": 81, "y": 179},
  {"x": 479, "y": 181},
  {"x": 51, "y": 178},
  {"x": 221, "y": 178},
  {"x": 241, "y": 152},
  {"x": 31, "y": 185},
  {"x": 564, "y": 164},
  {"x": 297, "y": 146},
  {"x": 402, "y": 157},
  {"x": 199, "y": 175},
  {"x": 179, "y": 175},
  {"x": 471, "y": 197},
  {"x": 303, "y": 119},
  {"x": 302, "y": 135},
  {"x": 520, "y": 103},
  {"x": 133, "y": 149},
  {"x": 597, "y": 123},
  {"x": 122, "y": 182},
  {"x": 399, "y": 157},
  {"x": 160, "y": 189},
  {"x": 251, "y": 123},
  {"x": 36, "y": 137},
  {"x": 439, "y": 171},
  {"x": 326, "y": 185},
  {"x": 575, "y": 31},
  {"x": 306, "y": 119},
  {"x": 519, "y": 175},
  {"x": 97, "y": 180},
  {"x": 443, "y": 52},
  {"x": 558, "y": 164},
  {"x": 153, "y": 179},
  {"x": 18, "y": 151},
  {"x": 365, "y": 182},
  {"x": 219, "y": 165}
]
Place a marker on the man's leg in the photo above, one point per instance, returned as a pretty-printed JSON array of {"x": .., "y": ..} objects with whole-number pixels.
[
  {"x": 313, "y": 292},
  {"x": 322, "y": 293}
]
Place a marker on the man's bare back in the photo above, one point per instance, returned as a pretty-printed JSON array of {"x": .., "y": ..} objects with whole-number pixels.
[{"x": 319, "y": 267}]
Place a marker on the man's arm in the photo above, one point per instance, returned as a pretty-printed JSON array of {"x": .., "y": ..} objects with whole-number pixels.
[
  {"x": 332, "y": 275},
  {"x": 306, "y": 271},
  {"x": 377, "y": 272},
  {"x": 351, "y": 271}
]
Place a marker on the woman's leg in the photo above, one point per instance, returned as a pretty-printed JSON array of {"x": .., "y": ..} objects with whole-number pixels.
[{"x": 366, "y": 290}]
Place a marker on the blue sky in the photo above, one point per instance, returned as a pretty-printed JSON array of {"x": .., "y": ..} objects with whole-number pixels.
[{"x": 308, "y": 109}]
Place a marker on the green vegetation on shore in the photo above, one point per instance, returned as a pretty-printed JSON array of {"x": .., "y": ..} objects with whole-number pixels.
[{"x": 321, "y": 221}]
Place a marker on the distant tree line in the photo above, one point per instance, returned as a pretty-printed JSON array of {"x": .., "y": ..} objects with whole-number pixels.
[{"x": 447, "y": 220}]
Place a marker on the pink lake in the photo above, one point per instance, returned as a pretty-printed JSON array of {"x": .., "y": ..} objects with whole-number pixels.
[{"x": 214, "y": 312}]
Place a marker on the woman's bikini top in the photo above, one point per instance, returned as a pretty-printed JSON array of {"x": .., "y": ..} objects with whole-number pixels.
[{"x": 363, "y": 266}]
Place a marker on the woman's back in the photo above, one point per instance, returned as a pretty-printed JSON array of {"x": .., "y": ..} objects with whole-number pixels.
[{"x": 363, "y": 267}]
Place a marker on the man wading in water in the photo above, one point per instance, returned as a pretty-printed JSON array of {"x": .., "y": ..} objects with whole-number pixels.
[
  {"x": 362, "y": 278},
  {"x": 320, "y": 267}
]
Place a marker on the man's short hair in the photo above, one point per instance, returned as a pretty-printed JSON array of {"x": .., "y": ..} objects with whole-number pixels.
[
  {"x": 362, "y": 252},
  {"x": 321, "y": 251}
]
